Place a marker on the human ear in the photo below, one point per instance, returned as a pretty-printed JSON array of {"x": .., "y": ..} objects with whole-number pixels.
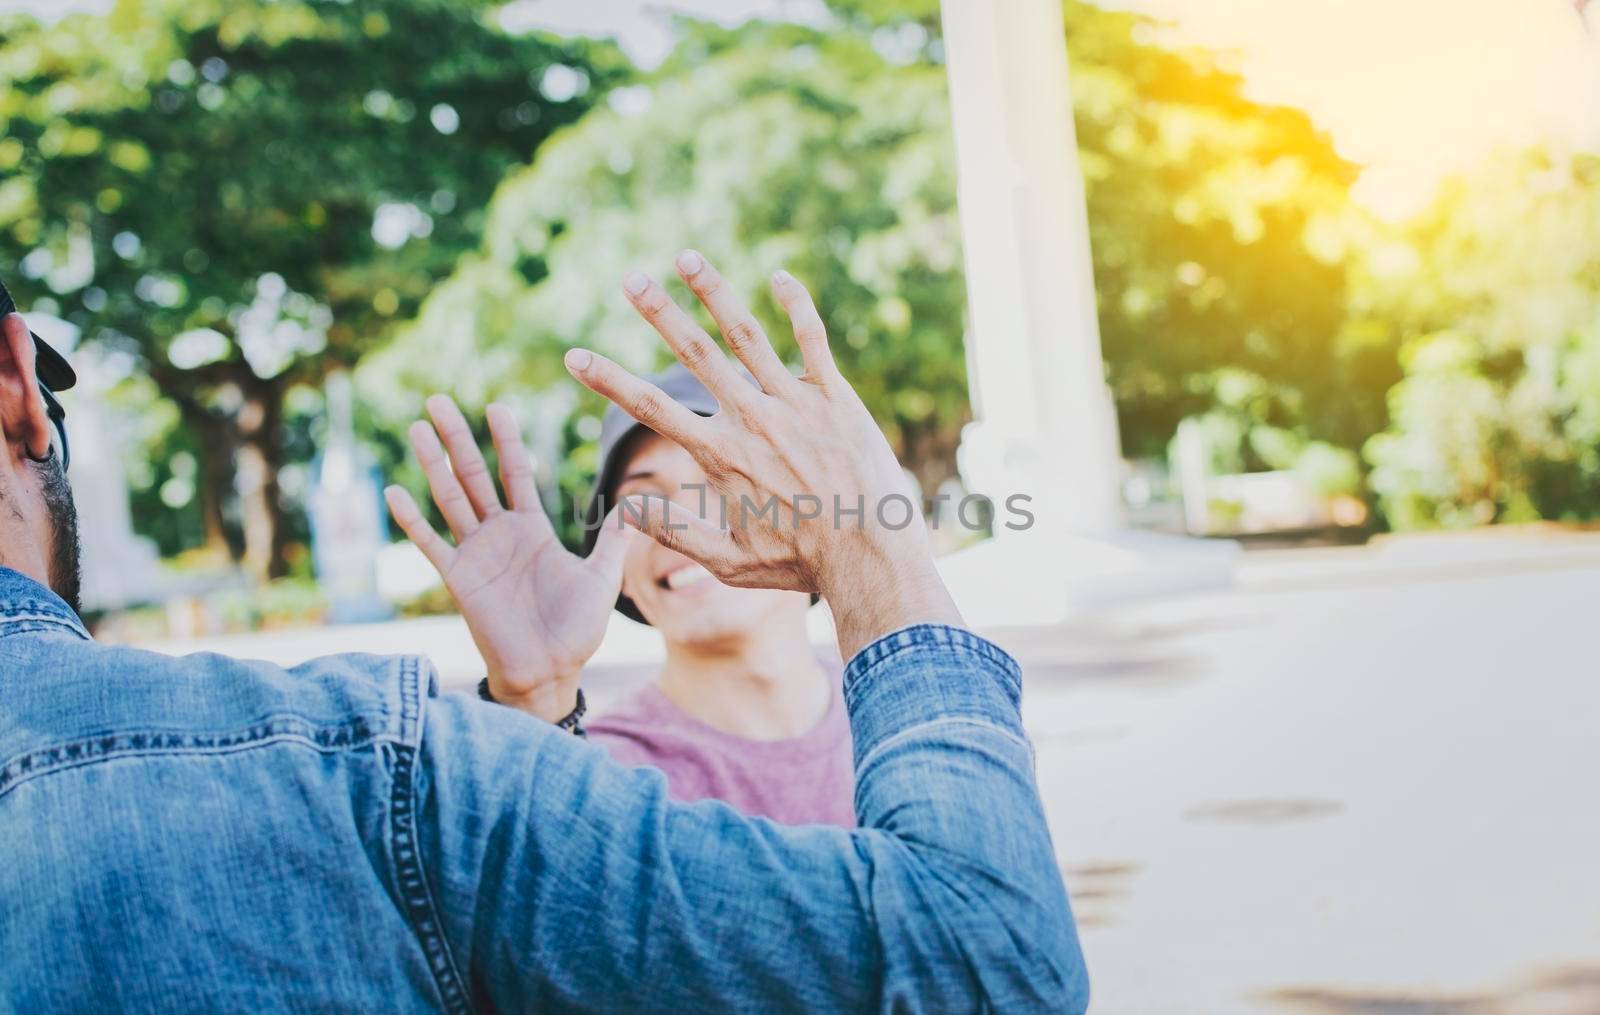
[{"x": 23, "y": 419}]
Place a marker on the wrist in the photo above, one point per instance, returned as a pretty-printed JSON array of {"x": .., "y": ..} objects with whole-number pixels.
[
  {"x": 875, "y": 592},
  {"x": 543, "y": 697}
]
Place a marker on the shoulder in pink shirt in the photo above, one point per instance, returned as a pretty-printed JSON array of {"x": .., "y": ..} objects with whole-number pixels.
[{"x": 809, "y": 779}]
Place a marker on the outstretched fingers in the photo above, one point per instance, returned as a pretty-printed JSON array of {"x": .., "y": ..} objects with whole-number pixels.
[
  {"x": 442, "y": 482},
  {"x": 409, "y": 517},
  {"x": 645, "y": 402},
  {"x": 809, "y": 332},
  {"x": 465, "y": 458},
  {"x": 740, "y": 329},
  {"x": 516, "y": 466},
  {"x": 693, "y": 347}
]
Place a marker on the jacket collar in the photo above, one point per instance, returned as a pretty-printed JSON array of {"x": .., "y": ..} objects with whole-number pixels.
[{"x": 25, "y": 605}]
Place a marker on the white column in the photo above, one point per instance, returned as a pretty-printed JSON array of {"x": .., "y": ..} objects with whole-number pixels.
[
  {"x": 1045, "y": 421},
  {"x": 1045, "y": 424}
]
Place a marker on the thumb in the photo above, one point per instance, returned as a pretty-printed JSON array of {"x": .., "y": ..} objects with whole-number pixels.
[
  {"x": 678, "y": 528},
  {"x": 611, "y": 547}
]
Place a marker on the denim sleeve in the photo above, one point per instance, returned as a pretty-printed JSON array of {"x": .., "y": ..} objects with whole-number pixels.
[{"x": 565, "y": 881}]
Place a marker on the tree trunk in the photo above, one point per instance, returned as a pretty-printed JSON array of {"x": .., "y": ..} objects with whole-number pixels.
[
  {"x": 214, "y": 436},
  {"x": 216, "y": 442},
  {"x": 260, "y": 458},
  {"x": 930, "y": 452}
]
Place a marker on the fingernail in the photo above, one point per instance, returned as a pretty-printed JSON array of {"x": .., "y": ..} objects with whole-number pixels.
[
  {"x": 635, "y": 283},
  {"x": 690, "y": 262},
  {"x": 781, "y": 277},
  {"x": 579, "y": 359}
]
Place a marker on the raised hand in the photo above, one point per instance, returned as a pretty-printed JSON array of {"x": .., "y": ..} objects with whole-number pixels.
[
  {"x": 844, "y": 522},
  {"x": 536, "y": 612}
]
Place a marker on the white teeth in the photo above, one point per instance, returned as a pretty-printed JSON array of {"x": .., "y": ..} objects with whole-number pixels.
[{"x": 686, "y": 576}]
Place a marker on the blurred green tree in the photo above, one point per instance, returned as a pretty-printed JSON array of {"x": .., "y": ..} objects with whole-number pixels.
[
  {"x": 246, "y": 194},
  {"x": 768, "y": 146},
  {"x": 1493, "y": 291},
  {"x": 1221, "y": 229},
  {"x": 1219, "y": 232}
]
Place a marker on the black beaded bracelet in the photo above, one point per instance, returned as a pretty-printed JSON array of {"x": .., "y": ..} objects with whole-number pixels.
[{"x": 573, "y": 723}]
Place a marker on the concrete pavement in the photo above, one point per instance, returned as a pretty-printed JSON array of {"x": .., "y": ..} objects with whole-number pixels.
[{"x": 1357, "y": 795}]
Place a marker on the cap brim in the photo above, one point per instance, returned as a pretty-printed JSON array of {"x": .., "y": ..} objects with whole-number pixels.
[{"x": 53, "y": 369}]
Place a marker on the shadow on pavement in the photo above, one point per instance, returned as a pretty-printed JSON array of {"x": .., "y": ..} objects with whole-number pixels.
[{"x": 1558, "y": 990}]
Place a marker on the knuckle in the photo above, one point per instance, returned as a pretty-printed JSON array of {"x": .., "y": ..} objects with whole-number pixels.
[
  {"x": 667, "y": 536},
  {"x": 647, "y": 407},
  {"x": 654, "y": 301},
  {"x": 743, "y": 334},
  {"x": 695, "y": 352}
]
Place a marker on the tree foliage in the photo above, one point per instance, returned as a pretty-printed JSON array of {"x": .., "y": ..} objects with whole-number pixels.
[
  {"x": 1217, "y": 230},
  {"x": 245, "y": 195},
  {"x": 241, "y": 195},
  {"x": 767, "y": 147},
  {"x": 1493, "y": 292}
]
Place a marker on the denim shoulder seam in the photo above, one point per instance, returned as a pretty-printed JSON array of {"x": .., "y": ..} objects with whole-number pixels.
[
  {"x": 405, "y": 848},
  {"x": 291, "y": 729}
]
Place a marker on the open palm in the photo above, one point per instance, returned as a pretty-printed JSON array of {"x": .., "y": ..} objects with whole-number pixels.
[{"x": 536, "y": 612}]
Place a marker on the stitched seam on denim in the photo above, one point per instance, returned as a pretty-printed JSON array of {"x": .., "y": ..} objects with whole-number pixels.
[
  {"x": 23, "y": 623},
  {"x": 855, "y": 687},
  {"x": 24, "y": 607},
  {"x": 895, "y": 738},
  {"x": 407, "y": 851},
  {"x": 95, "y": 750},
  {"x": 922, "y": 636}
]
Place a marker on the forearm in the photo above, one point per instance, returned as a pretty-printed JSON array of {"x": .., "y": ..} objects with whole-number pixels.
[
  {"x": 876, "y": 589},
  {"x": 583, "y": 885},
  {"x": 945, "y": 774}
]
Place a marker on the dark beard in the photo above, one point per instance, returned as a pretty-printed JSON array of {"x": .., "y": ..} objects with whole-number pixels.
[{"x": 66, "y": 576}]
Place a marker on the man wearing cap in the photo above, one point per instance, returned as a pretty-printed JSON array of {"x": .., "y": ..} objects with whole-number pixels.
[
  {"x": 211, "y": 834},
  {"x": 42, "y": 507},
  {"x": 743, "y": 709}
]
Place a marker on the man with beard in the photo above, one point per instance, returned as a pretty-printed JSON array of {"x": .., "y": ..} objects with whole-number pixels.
[
  {"x": 38, "y": 509},
  {"x": 210, "y": 834}
]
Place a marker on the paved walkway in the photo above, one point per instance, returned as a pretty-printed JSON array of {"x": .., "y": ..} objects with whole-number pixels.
[{"x": 1379, "y": 795}]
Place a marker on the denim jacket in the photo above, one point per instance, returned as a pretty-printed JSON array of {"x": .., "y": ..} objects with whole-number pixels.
[{"x": 211, "y": 834}]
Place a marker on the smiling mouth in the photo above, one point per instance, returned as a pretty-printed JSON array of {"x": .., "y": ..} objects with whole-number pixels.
[{"x": 683, "y": 577}]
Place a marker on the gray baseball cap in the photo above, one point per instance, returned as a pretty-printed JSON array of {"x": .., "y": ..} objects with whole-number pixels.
[{"x": 619, "y": 434}]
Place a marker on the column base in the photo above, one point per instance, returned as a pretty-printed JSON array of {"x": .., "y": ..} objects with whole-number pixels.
[{"x": 1027, "y": 580}]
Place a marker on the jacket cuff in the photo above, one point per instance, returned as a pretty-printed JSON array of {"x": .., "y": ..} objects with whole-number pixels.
[{"x": 926, "y": 673}]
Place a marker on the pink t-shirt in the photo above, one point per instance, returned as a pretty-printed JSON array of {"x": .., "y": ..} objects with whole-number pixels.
[{"x": 809, "y": 779}]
